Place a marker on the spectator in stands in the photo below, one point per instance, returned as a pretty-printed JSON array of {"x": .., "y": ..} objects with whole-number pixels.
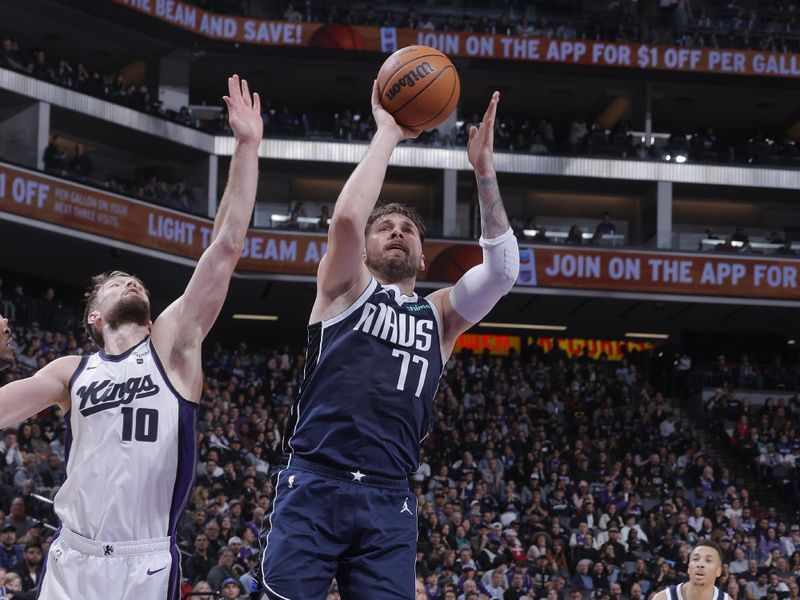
[
  {"x": 410, "y": 21},
  {"x": 222, "y": 570},
  {"x": 740, "y": 236},
  {"x": 11, "y": 553},
  {"x": 426, "y": 24},
  {"x": 185, "y": 117},
  {"x": 605, "y": 226},
  {"x": 9, "y": 449},
  {"x": 30, "y": 570},
  {"x": 38, "y": 66},
  {"x": 775, "y": 238},
  {"x": 537, "y": 145},
  {"x": 18, "y": 517},
  {"x": 291, "y": 13},
  {"x": 575, "y": 235},
  {"x": 54, "y": 158},
  {"x": 63, "y": 75},
  {"x": 182, "y": 197},
  {"x": 578, "y": 134},
  {"x": 12, "y": 584},
  {"x": 230, "y": 589},
  {"x": 80, "y": 164},
  {"x": 198, "y": 565},
  {"x": 10, "y": 57},
  {"x": 202, "y": 587}
]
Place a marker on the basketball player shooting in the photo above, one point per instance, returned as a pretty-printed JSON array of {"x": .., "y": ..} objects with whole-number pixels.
[
  {"x": 131, "y": 408},
  {"x": 376, "y": 350}
]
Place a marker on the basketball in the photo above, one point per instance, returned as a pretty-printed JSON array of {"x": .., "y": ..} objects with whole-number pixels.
[{"x": 419, "y": 87}]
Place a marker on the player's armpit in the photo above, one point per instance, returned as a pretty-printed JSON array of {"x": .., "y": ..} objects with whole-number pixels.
[{"x": 26, "y": 397}]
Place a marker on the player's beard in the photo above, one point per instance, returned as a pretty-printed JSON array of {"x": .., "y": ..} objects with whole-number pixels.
[
  {"x": 392, "y": 268},
  {"x": 129, "y": 309}
]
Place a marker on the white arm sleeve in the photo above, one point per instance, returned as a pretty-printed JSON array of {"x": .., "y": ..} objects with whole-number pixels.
[{"x": 479, "y": 289}]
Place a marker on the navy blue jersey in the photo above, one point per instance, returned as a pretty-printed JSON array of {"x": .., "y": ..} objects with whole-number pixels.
[{"x": 371, "y": 376}]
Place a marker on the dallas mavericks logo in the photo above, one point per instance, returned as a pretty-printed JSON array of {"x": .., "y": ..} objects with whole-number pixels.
[{"x": 104, "y": 395}]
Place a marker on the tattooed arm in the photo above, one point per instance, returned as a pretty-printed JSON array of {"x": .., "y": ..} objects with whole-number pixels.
[
  {"x": 480, "y": 151},
  {"x": 480, "y": 288}
]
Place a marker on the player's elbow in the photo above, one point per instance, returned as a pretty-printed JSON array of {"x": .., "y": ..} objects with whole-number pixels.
[
  {"x": 503, "y": 264},
  {"x": 346, "y": 220},
  {"x": 229, "y": 246}
]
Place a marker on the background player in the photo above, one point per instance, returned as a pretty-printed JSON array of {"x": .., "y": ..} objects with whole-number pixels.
[
  {"x": 705, "y": 566},
  {"x": 7, "y": 358},
  {"x": 376, "y": 351},
  {"x": 130, "y": 409}
]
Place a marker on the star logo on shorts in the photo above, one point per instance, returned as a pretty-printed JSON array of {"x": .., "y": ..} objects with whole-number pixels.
[
  {"x": 108, "y": 550},
  {"x": 357, "y": 475}
]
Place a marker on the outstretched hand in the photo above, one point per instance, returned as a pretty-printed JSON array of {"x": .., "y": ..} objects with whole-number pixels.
[
  {"x": 244, "y": 112},
  {"x": 480, "y": 147},
  {"x": 7, "y": 358},
  {"x": 384, "y": 120}
]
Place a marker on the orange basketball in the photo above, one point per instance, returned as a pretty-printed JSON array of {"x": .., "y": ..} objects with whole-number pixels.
[{"x": 419, "y": 87}]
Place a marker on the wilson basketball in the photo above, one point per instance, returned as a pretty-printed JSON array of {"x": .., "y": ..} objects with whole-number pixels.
[{"x": 419, "y": 87}]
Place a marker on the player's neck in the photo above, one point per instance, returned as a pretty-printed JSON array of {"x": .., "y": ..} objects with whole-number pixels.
[
  {"x": 123, "y": 338},
  {"x": 406, "y": 286},
  {"x": 691, "y": 591}
]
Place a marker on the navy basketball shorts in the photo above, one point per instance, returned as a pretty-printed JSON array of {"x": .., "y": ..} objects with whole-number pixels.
[{"x": 326, "y": 523}]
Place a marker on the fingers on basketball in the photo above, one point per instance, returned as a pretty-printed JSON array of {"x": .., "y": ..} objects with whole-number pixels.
[{"x": 376, "y": 102}]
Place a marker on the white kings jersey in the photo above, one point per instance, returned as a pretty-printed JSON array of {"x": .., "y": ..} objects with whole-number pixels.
[{"x": 130, "y": 449}]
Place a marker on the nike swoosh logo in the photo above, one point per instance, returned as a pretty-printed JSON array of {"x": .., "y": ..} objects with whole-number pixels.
[{"x": 149, "y": 572}]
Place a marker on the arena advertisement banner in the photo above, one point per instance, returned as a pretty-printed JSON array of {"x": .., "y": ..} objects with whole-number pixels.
[
  {"x": 501, "y": 345},
  {"x": 90, "y": 210},
  {"x": 472, "y": 45},
  {"x": 575, "y": 347},
  {"x": 82, "y": 208},
  {"x": 671, "y": 273},
  {"x": 496, "y": 345}
]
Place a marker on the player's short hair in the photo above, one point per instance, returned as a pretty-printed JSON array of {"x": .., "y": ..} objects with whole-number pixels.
[
  {"x": 90, "y": 296},
  {"x": 710, "y": 544},
  {"x": 382, "y": 210}
]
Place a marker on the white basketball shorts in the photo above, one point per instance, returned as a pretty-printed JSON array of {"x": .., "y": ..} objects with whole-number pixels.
[{"x": 77, "y": 567}]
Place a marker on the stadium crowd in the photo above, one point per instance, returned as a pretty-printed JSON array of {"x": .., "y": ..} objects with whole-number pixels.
[
  {"x": 524, "y": 134},
  {"x": 75, "y": 162},
  {"x": 543, "y": 476}
]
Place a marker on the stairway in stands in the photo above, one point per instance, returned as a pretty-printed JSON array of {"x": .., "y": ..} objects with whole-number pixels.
[{"x": 690, "y": 415}]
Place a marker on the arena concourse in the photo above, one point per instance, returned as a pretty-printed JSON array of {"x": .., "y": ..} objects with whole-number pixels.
[{"x": 636, "y": 392}]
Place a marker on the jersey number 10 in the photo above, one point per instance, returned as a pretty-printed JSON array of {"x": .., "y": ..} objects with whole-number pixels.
[
  {"x": 407, "y": 359},
  {"x": 146, "y": 424}
]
